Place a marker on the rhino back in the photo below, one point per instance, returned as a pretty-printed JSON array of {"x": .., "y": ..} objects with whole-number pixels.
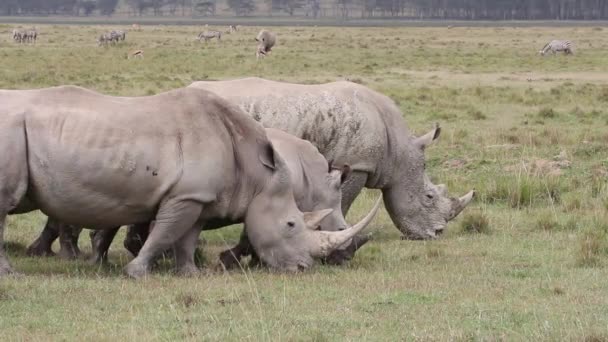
[
  {"x": 345, "y": 121},
  {"x": 92, "y": 155}
]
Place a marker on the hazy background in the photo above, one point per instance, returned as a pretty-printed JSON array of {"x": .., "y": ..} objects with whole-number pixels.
[{"x": 317, "y": 9}]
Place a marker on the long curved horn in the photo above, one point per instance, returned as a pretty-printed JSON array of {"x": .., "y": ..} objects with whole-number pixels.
[
  {"x": 459, "y": 204},
  {"x": 329, "y": 241}
]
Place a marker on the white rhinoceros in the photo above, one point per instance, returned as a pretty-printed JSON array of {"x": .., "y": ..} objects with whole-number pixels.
[
  {"x": 315, "y": 183},
  {"x": 354, "y": 125},
  {"x": 180, "y": 158}
]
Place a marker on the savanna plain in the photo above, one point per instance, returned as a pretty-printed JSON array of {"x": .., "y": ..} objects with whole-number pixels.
[{"x": 527, "y": 260}]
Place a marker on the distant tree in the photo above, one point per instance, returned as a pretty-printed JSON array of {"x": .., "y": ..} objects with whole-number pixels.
[
  {"x": 241, "y": 7},
  {"x": 205, "y": 8},
  {"x": 107, "y": 7}
]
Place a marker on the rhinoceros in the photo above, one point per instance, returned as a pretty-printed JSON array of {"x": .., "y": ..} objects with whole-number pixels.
[
  {"x": 316, "y": 186},
  {"x": 266, "y": 40},
  {"x": 352, "y": 124},
  {"x": 181, "y": 158}
]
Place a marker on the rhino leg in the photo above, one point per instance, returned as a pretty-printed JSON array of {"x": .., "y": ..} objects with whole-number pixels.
[
  {"x": 100, "y": 244},
  {"x": 184, "y": 251},
  {"x": 68, "y": 240},
  {"x": 14, "y": 175},
  {"x": 42, "y": 245},
  {"x": 231, "y": 258},
  {"x": 136, "y": 236},
  {"x": 175, "y": 218},
  {"x": 351, "y": 188}
]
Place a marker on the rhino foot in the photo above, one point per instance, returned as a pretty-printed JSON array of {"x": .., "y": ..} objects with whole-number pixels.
[
  {"x": 188, "y": 270},
  {"x": 69, "y": 253},
  {"x": 38, "y": 249},
  {"x": 229, "y": 260},
  {"x": 6, "y": 270},
  {"x": 98, "y": 259},
  {"x": 136, "y": 270}
]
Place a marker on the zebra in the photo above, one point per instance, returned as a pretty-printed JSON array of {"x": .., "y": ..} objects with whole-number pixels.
[
  {"x": 556, "y": 46},
  {"x": 104, "y": 39},
  {"x": 118, "y": 35},
  {"x": 31, "y": 35},
  {"x": 233, "y": 28},
  {"x": 18, "y": 35},
  {"x": 208, "y": 35}
]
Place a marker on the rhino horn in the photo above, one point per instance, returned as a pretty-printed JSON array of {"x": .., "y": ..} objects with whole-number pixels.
[
  {"x": 329, "y": 241},
  {"x": 459, "y": 204}
]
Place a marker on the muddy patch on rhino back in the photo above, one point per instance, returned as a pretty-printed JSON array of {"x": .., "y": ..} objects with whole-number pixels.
[{"x": 331, "y": 123}]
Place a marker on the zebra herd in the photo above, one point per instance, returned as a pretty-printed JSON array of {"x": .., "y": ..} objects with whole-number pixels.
[
  {"x": 25, "y": 36},
  {"x": 111, "y": 37},
  {"x": 210, "y": 34},
  {"x": 265, "y": 39}
]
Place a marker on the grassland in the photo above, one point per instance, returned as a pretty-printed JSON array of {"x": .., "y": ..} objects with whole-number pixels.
[{"x": 528, "y": 260}]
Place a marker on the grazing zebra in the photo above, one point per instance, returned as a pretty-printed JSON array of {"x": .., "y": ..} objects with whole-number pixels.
[
  {"x": 118, "y": 35},
  {"x": 233, "y": 28},
  {"x": 18, "y": 35},
  {"x": 31, "y": 35},
  {"x": 104, "y": 39},
  {"x": 136, "y": 54},
  {"x": 208, "y": 35},
  {"x": 556, "y": 46}
]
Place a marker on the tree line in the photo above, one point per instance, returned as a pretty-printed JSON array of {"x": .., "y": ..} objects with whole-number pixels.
[{"x": 412, "y": 9}]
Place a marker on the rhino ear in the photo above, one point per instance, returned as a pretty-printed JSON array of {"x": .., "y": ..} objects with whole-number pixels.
[
  {"x": 267, "y": 156},
  {"x": 423, "y": 141},
  {"x": 346, "y": 171},
  {"x": 313, "y": 218},
  {"x": 339, "y": 174}
]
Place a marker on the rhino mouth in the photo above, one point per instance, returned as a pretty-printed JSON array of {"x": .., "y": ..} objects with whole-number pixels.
[{"x": 419, "y": 237}]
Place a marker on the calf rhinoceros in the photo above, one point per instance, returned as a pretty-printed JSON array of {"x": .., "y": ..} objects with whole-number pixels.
[
  {"x": 354, "y": 125},
  {"x": 316, "y": 186},
  {"x": 180, "y": 158}
]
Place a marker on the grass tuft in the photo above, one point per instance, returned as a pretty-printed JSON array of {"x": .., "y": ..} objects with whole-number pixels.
[
  {"x": 475, "y": 222},
  {"x": 547, "y": 113},
  {"x": 547, "y": 222}
]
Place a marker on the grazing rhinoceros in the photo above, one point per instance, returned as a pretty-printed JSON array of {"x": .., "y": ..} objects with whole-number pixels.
[
  {"x": 180, "y": 158},
  {"x": 316, "y": 186},
  {"x": 315, "y": 183},
  {"x": 266, "y": 40},
  {"x": 351, "y": 124}
]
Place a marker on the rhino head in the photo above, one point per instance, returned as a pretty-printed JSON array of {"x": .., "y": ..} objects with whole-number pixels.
[
  {"x": 286, "y": 238},
  {"x": 419, "y": 208}
]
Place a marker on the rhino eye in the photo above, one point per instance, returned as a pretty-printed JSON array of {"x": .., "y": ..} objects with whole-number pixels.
[
  {"x": 291, "y": 224},
  {"x": 429, "y": 196}
]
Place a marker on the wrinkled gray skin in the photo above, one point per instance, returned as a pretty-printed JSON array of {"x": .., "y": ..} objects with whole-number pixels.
[
  {"x": 316, "y": 187},
  {"x": 354, "y": 125},
  {"x": 181, "y": 158},
  {"x": 266, "y": 40}
]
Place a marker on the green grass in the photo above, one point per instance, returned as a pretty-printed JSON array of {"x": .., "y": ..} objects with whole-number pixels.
[{"x": 527, "y": 261}]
